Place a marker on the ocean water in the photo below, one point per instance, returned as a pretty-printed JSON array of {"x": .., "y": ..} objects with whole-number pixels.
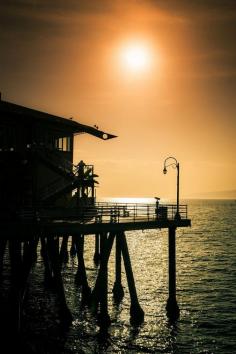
[{"x": 206, "y": 293}]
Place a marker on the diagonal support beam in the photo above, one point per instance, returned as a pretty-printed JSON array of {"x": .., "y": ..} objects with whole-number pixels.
[
  {"x": 136, "y": 312},
  {"x": 99, "y": 293}
]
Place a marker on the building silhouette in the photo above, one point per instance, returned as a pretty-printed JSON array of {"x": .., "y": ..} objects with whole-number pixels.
[{"x": 36, "y": 156}]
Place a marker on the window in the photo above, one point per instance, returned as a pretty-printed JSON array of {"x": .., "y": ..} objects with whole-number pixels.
[{"x": 63, "y": 144}]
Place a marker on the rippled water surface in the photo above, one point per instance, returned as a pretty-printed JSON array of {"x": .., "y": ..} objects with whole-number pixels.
[{"x": 206, "y": 292}]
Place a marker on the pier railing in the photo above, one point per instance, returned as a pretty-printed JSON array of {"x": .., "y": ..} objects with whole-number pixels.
[
  {"x": 111, "y": 213},
  {"x": 134, "y": 212}
]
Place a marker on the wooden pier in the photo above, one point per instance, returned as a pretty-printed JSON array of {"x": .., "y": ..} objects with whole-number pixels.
[
  {"x": 107, "y": 223},
  {"x": 45, "y": 199}
]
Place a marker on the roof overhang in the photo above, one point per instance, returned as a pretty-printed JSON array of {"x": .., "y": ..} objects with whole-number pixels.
[
  {"x": 34, "y": 115},
  {"x": 94, "y": 131}
]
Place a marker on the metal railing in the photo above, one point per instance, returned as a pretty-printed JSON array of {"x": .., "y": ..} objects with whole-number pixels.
[
  {"x": 134, "y": 212},
  {"x": 115, "y": 213}
]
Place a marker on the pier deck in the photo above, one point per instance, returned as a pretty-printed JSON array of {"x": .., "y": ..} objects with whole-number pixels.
[{"x": 107, "y": 223}]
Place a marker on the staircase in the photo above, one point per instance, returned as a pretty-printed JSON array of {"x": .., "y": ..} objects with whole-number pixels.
[
  {"x": 73, "y": 176},
  {"x": 53, "y": 158}
]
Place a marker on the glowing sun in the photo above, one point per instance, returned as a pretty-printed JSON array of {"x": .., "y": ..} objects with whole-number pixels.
[{"x": 136, "y": 57}]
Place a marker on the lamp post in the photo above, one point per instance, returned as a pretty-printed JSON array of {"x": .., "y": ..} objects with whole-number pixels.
[
  {"x": 174, "y": 164},
  {"x": 172, "y": 305}
]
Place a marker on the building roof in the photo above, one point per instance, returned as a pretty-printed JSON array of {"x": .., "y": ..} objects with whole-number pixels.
[{"x": 29, "y": 113}]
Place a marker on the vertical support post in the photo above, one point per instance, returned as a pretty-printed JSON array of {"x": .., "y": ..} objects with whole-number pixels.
[
  {"x": 53, "y": 250},
  {"x": 73, "y": 249},
  {"x": 79, "y": 240},
  {"x": 48, "y": 274},
  {"x": 16, "y": 279},
  {"x": 3, "y": 243},
  {"x": 21, "y": 267},
  {"x": 118, "y": 291},
  {"x": 64, "y": 257},
  {"x": 104, "y": 318},
  {"x": 136, "y": 312},
  {"x": 81, "y": 277},
  {"x": 16, "y": 260},
  {"x": 172, "y": 306},
  {"x": 100, "y": 290},
  {"x": 96, "y": 256}
]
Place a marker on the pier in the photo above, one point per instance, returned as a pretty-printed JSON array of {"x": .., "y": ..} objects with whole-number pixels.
[
  {"x": 107, "y": 223},
  {"x": 55, "y": 200}
]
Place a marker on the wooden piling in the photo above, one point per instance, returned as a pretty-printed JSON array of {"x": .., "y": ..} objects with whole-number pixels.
[
  {"x": 16, "y": 260},
  {"x": 99, "y": 293},
  {"x": 22, "y": 256},
  {"x": 172, "y": 306},
  {"x": 3, "y": 244},
  {"x": 73, "y": 249},
  {"x": 64, "y": 257},
  {"x": 136, "y": 312},
  {"x": 53, "y": 248},
  {"x": 97, "y": 255},
  {"x": 15, "y": 296},
  {"x": 103, "y": 317},
  {"x": 48, "y": 274},
  {"x": 81, "y": 276},
  {"x": 118, "y": 291}
]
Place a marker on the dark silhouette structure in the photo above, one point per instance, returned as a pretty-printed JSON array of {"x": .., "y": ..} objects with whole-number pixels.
[
  {"x": 38, "y": 148},
  {"x": 45, "y": 199}
]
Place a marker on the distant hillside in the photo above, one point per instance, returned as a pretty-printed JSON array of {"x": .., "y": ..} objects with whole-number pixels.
[{"x": 216, "y": 195}]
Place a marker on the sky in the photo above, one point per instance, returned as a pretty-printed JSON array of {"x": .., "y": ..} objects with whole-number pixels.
[{"x": 67, "y": 58}]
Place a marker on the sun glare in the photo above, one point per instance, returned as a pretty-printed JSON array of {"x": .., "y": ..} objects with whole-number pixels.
[{"x": 136, "y": 57}]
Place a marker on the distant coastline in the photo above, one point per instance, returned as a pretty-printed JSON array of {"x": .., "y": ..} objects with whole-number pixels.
[
  {"x": 219, "y": 195},
  {"x": 143, "y": 200},
  {"x": 229, "y": 194}
]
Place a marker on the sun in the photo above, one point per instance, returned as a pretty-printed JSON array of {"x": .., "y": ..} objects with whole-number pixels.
[{"x": 136, "y": 57}]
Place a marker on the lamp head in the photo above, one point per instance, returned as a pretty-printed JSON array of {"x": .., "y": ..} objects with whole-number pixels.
[{"x": 165, "y": 170}]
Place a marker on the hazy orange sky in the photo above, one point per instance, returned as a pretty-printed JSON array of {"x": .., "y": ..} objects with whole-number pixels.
[{"x": 64, "y": 57}]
